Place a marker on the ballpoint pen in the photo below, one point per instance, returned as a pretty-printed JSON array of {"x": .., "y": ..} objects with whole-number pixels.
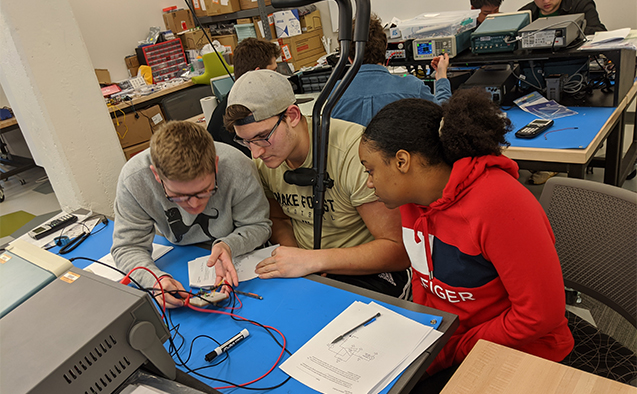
[{"x": 358, "y": 326}]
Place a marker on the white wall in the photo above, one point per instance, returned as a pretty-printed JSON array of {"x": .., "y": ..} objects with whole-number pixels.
[
  {"x": 112, "y": 29},
  {"x": 4, "y": 102}
]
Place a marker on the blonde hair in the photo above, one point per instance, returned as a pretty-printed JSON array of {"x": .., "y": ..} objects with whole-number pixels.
[{"x": 182, "y": 151}]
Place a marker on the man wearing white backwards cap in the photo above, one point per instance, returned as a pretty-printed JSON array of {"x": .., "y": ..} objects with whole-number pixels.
[{"x": 361, "y": 239}]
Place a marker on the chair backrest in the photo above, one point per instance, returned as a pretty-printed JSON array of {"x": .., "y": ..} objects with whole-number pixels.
[{"x": 595, "y": 227}]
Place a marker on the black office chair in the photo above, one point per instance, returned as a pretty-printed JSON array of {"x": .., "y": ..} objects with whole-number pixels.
[
  {"x": 595, "y": 227},
  {"x": 185, "y": 104}
]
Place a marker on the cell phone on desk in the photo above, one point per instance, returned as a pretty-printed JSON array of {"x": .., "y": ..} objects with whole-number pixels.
[{"x": 534, "y": 128}]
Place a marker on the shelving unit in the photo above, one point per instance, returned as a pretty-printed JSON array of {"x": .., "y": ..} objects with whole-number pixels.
[
  {"x": 262, "y": 10},
  {"x": 206, "y": 20}
]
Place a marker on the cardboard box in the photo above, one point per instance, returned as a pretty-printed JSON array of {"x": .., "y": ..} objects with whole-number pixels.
[
  {"x": 220, "y": 7},
  {"x": 229, "y": 41},
  {"x": 135, "y": 149},
  {"x": 287, "y": 23},
  {"x": 258, "y": 26},
  {"x": 302, "y": 50},
  {"x": 132, "y": 64},
  {"x": 103, "y": 76},
  {"x": 178, "y": 21},
  {"x": 133, "y": 131},
  {"x": 244, "y": 21},
  {"x": 250, "y": 4},
  {"x": 199, "y": 6},
  {"x": 311, "y": 21},
  {"x": 193, "y": 39}
]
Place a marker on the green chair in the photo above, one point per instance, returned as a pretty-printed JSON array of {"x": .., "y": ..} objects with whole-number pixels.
[{"x": 214, "y": 68}]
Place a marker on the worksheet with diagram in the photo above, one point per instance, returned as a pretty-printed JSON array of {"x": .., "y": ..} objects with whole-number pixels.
[{"x": 366, "y": 359}]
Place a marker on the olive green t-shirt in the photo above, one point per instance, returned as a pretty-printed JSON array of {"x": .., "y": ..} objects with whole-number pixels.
[{"x": 342, "y": 225}]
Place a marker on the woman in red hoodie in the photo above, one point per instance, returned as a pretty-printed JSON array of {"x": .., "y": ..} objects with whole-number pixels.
[{"x": 480, "y": 244}]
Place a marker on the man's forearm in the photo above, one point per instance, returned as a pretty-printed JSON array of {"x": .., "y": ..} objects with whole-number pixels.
[
  {"x": 282, "y": 232},
  {"x": 381, "y": 255}
]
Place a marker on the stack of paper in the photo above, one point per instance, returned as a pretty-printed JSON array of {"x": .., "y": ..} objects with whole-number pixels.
[
  {"x": 108, "y": 273},
  {"x": 367, "y": 359},
  {"x": 616, "y": 39},
  {"x": 536, "y": 104}
]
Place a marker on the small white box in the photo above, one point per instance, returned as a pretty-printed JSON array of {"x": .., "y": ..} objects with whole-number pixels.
[
  {"x": 287, "y": 23},
  {"x": 394, "y": 32}
]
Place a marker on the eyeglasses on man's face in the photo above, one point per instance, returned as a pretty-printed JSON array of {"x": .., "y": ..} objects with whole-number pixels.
[
  {"x": 262, "y": 142},
  {"x": 186, "y": 197}
]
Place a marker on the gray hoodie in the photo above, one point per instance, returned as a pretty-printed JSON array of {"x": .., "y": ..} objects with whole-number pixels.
[{"x": 237, "y": 214}]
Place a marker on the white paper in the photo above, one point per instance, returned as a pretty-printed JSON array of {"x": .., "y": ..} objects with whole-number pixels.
[
  {"x": 101, "y": 270},
  {"x": 199, "y": 274},
  {"x": 605, "y": 36},
  {"x": 202, "y": 276},
  {"x": 247, "y": 263},
  {"x": 364, "y": 361}
]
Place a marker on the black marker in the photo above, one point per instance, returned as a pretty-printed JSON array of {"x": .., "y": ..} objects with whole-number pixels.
[{"x": 227, "y": 345}]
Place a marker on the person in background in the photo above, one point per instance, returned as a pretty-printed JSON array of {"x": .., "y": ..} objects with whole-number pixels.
[
  {"x": 193, "y": 191},
  {"x": 373, "y": 87},
  {"x": 486, "y": 7},
  {"x": 361, "y": 238},
  {"x": 480, "y": 244},
  {"x": 250, "y": 54},
  {"x": 543, "y": 8}
]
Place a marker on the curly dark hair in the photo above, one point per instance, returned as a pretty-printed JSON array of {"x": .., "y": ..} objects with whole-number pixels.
[
  {"x": 376, "y": 44},
  {"x": 477, "y": 4},
  {"x": 252, "y": 53},
  {"x": 473, "y": 126}
]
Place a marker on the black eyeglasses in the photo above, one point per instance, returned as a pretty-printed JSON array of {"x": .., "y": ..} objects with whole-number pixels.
[
  {"x": 262, "y": 142},
  {"x": 187, "y": 197}
]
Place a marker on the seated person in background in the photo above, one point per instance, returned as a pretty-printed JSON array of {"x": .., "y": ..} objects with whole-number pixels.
[
  {"x": 374, "y": 87},
  {"x": 193, "y": 192},
  {"x": 361, "y": 239},
  {"x": 479, "y": 242},
  {"x": 486, "y": 7},
  {"x": 250, "y": 54},
  {"x": 543, "y": 8}
]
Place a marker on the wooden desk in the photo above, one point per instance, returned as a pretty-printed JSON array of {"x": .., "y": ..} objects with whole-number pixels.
[
  {"x": 617, "y": 165},
  {"x": 492, "y": 368},
  {"x": 156, "y": 96},
  {"x": 8, "y": 125}
]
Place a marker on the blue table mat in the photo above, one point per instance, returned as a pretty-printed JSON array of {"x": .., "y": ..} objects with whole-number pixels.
[
  {"x": 588, "y": 121},
  {"x": 287, "y": 310}
]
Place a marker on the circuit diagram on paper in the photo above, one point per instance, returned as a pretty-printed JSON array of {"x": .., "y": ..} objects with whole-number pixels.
[{"x": 347, "y": 348}]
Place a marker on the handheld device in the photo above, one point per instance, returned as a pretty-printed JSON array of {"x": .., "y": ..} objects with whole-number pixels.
[
  {"x": 534, "y": 128},
  {"x": 52, "y": 226}
]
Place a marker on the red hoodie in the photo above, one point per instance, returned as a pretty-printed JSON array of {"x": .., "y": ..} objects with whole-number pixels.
[{"x": 490, "y": 260}]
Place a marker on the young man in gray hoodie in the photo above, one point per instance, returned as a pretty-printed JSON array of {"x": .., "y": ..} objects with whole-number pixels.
[{"x": 192, "y": 190}]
